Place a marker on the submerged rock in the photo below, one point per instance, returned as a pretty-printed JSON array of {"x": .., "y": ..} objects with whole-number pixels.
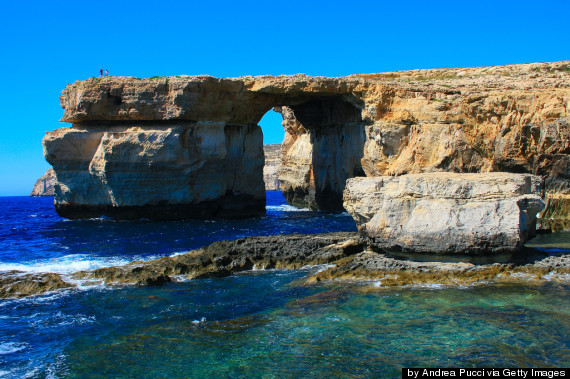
[{"x": 446, "y": 213}]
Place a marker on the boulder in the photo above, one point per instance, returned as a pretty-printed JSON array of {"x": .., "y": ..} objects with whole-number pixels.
[
  {"x": 22, "y": 284},
  {"x": 446, "y": 213}
]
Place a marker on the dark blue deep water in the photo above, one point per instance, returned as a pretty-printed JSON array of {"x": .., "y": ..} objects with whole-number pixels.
[
  {"x": 256, "y": 324},
  {"x": 34, "y": 237}
]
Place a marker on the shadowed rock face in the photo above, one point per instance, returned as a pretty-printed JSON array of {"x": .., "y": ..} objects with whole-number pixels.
[
  {"x": 504, "y": 118},
  {"x": 323, "y": 148}
]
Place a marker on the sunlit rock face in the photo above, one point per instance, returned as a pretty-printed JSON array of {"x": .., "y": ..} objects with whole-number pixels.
[
  {"x": 44, "y": 185},
  {"x": 191, "y": 147},
  {"x": 504, "y": 118},
  {"x": 272, "y": 164},
  {"x": 446, "y": 213},
  {"x": 161, "y": 172}
]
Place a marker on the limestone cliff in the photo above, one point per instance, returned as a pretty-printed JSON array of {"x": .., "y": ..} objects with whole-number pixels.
[
  {"x": 272, "y": 163},
  {"x": 44, "y": 185},
  {"x": 164, "y": 143}
]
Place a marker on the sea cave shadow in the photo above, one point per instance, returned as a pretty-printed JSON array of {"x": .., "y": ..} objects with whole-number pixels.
[{"x": 524, "y": 256}]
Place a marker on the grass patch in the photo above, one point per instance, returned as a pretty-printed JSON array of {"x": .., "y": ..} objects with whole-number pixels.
[{"x": 159, "y": 77}]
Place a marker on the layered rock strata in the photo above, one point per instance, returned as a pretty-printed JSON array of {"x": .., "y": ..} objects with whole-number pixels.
[
  {"x": 446, "y": 213},
  {"x": 272, "y": 164},
  {"x": 345, "y": 255},
  {"x": 45, "y": 184},
  {"x": 175, "y": 171},
  {"x": 505, "y": 118}
]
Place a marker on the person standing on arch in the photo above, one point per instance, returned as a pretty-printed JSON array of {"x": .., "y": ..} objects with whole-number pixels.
[
  {"x": 106, "y": 72},
  {"x": 101, "y": 71}
]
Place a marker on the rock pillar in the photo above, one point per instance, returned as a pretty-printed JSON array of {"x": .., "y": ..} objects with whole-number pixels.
[
  {"x": 186, "y": 170},
  {"x": 323, "y": 147}
]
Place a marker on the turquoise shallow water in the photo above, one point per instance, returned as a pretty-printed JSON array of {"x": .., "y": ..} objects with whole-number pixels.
[{"x": 267, "y": 324}]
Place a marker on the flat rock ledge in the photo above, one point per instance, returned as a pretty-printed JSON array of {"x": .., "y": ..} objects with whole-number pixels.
[
  {"x": 446, "y": 213},
  {"x": 347, "y": 256}
]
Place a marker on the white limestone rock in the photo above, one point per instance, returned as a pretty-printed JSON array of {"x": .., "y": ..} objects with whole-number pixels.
[{"x": 446, "y": 213}]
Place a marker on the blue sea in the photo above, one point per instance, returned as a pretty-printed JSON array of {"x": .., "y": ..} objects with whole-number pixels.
[{"x": 258, "y": 323}]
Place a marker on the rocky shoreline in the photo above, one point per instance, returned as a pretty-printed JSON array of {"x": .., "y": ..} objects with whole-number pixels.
[{"x": 348, "y": 258}]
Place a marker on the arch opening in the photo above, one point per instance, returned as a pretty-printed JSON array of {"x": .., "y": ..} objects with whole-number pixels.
[
  {"x": 322, "y": 146},
  {"x": 273, "y": 135}
]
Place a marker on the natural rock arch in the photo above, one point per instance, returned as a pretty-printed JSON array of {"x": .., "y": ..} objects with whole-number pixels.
[
  {"x": 322, "y": 148},
  {"x": 198, "y": 151},
  {"x": 186, "y": 146}
]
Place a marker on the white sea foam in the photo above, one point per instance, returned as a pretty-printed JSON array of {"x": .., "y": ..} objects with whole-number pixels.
[
  {"x": 77, "y": 320},
  {"x": 70, "y": 263},
  {"x": 285, "y": 208},
  {"x": 59, "y": 319},
  {"x": 180, "y": 253},
  {"x": 258, "y": 268},
  {"x": 318, "y": 268},
  {"x": 197, "y": 322},
  {"x": 63, "y": 265},
  {"x": 11, "y": 347}
]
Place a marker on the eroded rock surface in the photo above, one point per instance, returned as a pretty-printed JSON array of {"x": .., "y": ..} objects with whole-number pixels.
[
  {"x": 157, "y": 171},
  {"x": 272, "y": 164},
  {"x": 22, "y": 284},
  {"x": 44, "y": 185},
  {"x": 446, "y": 213},
  {"x": 346, "y": 256},
  {"x": 510, "y": 118},
  {"x": 529, "y": 267},
  {"x": 226, "y": 257}
]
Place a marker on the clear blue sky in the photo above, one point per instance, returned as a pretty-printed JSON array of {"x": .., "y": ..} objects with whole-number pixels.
[{"x": 47, "y": 44}]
